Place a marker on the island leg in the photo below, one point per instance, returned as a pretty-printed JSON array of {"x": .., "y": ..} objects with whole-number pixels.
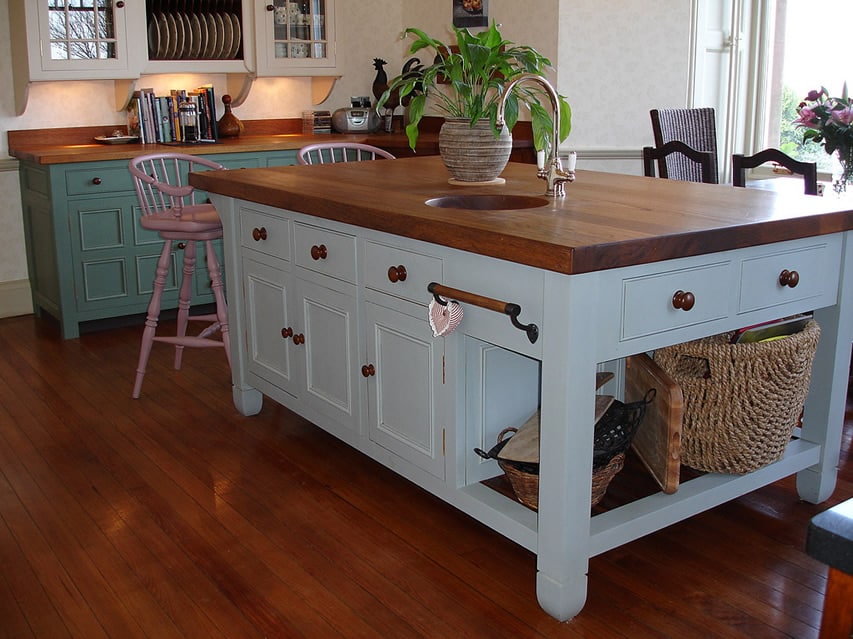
[
  {"x": 247, "y": 400},
  {"x": 823, "y": 418},
  {"x": 566, "y": 439}
]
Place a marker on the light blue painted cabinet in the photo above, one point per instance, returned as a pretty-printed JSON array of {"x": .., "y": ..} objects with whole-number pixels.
[{"x": 88, "y": 258}]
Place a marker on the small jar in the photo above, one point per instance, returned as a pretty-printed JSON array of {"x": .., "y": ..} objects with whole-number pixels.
[{"x": 188, "y": 119}]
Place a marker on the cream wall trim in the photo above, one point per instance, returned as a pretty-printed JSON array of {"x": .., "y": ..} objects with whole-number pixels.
[
  {"x": 607, "y": 154},
  {"x": 9, "y": 165},
  {"x": 15, "y": 298}
]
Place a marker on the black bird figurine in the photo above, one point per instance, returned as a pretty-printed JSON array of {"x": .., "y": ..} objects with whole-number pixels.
[
  {"x": 380, "y": 82},
  {"x": 413, "y": 69}
]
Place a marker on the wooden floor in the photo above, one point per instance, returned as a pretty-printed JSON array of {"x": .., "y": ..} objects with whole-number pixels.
[{"x": 173, "y": 516}]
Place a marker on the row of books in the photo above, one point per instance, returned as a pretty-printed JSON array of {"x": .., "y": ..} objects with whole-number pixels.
[
  {"x": 182, "y": 117},
  {"x": 316, "y": 122}
]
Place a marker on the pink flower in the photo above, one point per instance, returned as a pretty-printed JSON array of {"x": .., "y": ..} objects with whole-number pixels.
[
  {"x": 807, "y": 117},
  {"x": 814, "y": 95},
  {"x": 843, "y": 116}
]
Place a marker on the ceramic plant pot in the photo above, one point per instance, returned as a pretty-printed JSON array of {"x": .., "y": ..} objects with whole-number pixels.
[{"x": 473, "y": 154}]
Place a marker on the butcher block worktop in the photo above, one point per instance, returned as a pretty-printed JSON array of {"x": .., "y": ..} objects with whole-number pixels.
[{"x": 605, "y": 220}]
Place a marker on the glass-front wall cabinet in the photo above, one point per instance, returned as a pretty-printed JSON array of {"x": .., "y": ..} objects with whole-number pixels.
[
  {"x": 295, "y": 34},
  {"x": 72, "y": 39}
]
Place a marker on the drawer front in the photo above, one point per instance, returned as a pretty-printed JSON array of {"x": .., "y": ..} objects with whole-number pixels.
[
  {"x": 400, "y": 272},
  {"x": 93, "y": 180},
  {"x": 264, "y": 232},
  {"x": 764, "y": 283},
  {"x": 648, "y": 306},
  {"x": 324, "y": 251}
]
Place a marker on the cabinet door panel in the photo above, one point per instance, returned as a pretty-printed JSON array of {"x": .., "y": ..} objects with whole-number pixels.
[
  {"x": 330, "y": 329},
  {"x": 265, "y": 289},
  {"x": 407, "y": 361}
]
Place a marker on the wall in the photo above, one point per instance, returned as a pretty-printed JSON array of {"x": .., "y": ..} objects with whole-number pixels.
[{"x": 614, "y": 62}]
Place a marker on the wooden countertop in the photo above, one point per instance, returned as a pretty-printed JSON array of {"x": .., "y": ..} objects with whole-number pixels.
[
  {"x": 605, "y": 221},
  {"x": 76, "y": 144}
]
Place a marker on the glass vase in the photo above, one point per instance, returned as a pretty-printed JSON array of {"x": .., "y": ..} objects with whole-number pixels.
[{"x": 843, "y": 178}]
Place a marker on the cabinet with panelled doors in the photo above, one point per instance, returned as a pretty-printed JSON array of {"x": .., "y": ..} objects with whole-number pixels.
[
  {"x": 336, "y": 326},
  {"x": 303, "y": 340},
  {"x": 87, "y": 256}
]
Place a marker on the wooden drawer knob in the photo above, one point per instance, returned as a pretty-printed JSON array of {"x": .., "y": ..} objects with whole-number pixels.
[
  {"x": 397, "y": 273},
  {"x": 319, "y": 252},
  {"x": 181, "y": 245},
  {"x": 120, "y": 4},
  {"x": 789, "y": 278},
  {"x": 96, "y": 181},
  {"x": 368, "y": 371},
  {"x": 299, "y": 339},
  {"x": 683, "y": 300},
  {"x": 270, "y": 7},
  {"x": 259, "y": 234},
  {"x": 287, "y": 332}
]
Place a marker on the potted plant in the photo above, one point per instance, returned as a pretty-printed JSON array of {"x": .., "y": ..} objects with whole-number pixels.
[{"x": 466, "y": 83}]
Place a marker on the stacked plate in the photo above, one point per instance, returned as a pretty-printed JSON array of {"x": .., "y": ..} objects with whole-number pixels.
[{"x": 194, "y": 36}]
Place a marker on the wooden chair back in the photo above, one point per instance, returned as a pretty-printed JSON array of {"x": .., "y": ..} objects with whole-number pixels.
[
  {"x": 331, "y": 152},
  {"x": 740, "y": 163},
  {"x": 702, "y": 163}
]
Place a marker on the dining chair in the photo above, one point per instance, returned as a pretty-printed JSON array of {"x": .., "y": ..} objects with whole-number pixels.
[
  {"x": 169, "y": 206},
  {"x": 742, "y": 162},
  {"x": 331, "y": 152},
  {"x": 700, "y": 162},
  {"x": 695, "y": 127}
]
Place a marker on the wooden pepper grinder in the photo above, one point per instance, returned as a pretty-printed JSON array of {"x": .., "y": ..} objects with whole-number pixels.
[{"x": 229, "y": 125}]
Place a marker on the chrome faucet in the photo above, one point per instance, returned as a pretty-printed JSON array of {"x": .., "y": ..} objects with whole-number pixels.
[{"x": 552, "y": 172}]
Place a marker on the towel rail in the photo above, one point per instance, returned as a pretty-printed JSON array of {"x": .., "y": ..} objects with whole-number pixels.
[{"x": 490, "y": 303}]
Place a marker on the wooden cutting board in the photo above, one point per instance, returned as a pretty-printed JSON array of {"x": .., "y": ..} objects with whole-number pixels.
[{"x": 658, "y": 439}]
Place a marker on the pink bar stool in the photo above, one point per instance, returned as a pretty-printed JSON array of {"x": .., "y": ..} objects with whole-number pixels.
[{"x": 169, "y": 207}]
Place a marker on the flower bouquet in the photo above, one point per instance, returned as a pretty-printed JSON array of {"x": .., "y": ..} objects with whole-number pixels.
[{"x": 829, "y": 121}]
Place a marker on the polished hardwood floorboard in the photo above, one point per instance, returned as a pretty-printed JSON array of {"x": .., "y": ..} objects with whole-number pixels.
[{"x": 174, "y": 516}]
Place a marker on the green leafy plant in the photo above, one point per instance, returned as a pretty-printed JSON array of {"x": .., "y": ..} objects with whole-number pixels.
[{"x": 468, "y": 81}]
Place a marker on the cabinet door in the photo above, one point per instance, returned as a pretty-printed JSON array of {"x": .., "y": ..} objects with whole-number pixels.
[
  {"x": 77, "y": 40},
  {"x": 269, "y": 325},
  {"x": 330, "y": 330},
  {"x": 295, "y": 38},
  {"x": 404, "y": 378}
]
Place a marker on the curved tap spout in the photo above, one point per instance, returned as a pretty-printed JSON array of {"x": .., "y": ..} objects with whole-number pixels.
[{"x": 553, "y": 174}]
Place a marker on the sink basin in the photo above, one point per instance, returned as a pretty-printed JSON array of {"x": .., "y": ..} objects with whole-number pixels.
[{"x": 488, "y": 202}]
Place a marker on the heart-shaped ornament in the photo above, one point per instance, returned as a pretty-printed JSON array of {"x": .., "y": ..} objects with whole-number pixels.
[{"x": 444, "y": 318}]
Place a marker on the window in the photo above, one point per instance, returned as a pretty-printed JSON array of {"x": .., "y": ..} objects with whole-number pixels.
[
  {"x": 810, "y": 51},
  {"x": 755, "y": 60}
]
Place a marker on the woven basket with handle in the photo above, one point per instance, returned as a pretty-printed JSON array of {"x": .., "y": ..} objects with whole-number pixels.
[{"x": 741, "y": 401}]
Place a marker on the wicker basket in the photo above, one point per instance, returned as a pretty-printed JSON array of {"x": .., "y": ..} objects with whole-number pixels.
[
  {"x": 741, "y": 401},
  {"x": 613, "y": 435}
]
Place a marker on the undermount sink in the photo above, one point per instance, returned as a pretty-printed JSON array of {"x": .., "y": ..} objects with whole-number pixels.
[{"x": 488, "y": 202}]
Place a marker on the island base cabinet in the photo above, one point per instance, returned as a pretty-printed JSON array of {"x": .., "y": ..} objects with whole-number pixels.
[{"x": 404, "y": 372}]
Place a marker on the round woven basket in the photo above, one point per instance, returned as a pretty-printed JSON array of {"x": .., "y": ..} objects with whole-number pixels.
[
  {"x": 526, "y": 484},
  {"x": 741, "y": 401}
]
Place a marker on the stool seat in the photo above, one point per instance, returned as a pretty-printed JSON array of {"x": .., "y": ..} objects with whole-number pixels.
[
  {"x": 169, "y": 208},
  {"x": 198, "y": 218}
]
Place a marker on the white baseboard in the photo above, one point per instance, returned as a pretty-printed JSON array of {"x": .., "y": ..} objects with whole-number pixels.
[{"x": 15, "y": 298}]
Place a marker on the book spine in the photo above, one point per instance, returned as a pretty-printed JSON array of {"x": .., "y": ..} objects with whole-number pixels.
[
  {"x": 170, "y": 116},
  {"x": 163, "y": 118}
]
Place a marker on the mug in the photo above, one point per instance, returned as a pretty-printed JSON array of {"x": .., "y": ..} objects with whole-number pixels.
[
  {"x": 280, "y": 15},
  {"x": 299, "y": 50}
]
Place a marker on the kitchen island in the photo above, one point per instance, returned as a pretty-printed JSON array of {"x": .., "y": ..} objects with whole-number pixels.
[{"x": 329, "y": 268}]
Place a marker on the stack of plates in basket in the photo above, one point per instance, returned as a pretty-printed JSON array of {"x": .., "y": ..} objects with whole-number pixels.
[{"x": 194, "y": 36}]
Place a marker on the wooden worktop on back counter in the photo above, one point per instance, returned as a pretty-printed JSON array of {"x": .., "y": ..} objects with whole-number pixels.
[
  {"x": 77, "y": 144},
  {"x": 606, "y": 220}
]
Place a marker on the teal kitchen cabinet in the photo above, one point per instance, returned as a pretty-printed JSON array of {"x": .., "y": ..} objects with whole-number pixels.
[{"x": 87, "y": 256}]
